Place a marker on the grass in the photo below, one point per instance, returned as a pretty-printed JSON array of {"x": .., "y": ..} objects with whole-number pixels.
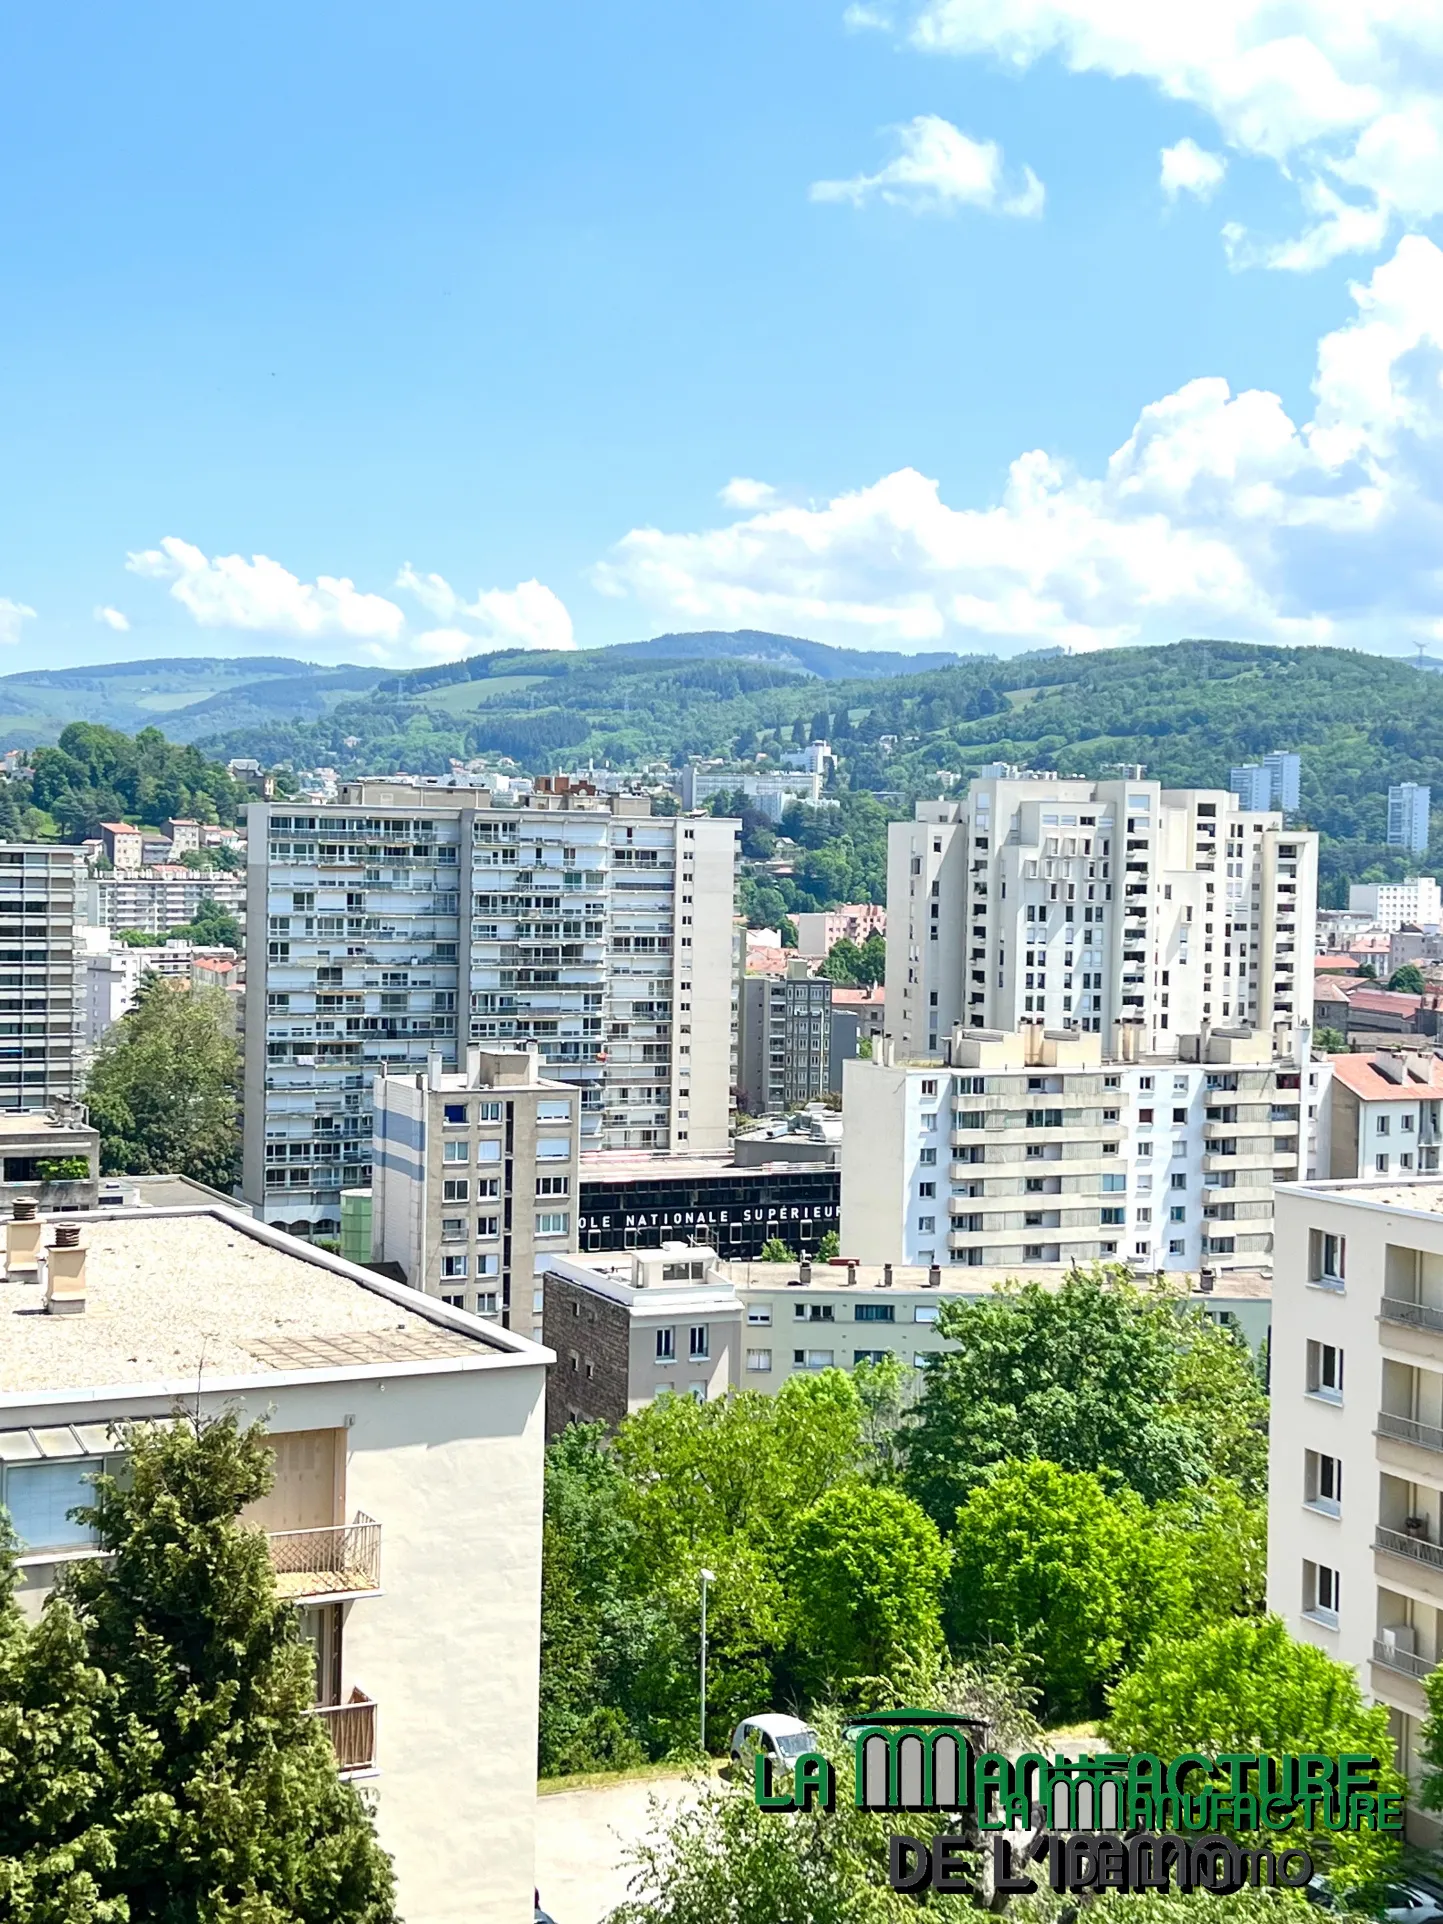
[{"x": 604, "y": 1779}]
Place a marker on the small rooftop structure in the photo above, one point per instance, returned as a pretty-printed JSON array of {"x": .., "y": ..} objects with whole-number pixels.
[{"x": 1400, "y": 1076}]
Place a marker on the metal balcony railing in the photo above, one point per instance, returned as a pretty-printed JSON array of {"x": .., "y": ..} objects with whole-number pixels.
[
  {"x": 342, "y": 1560},
  {"x": 1416, "y": 1549},
  {"x": 351, "y": 1728},
  {"x": 1407, "y": 1429},
  {"x": 1393, "y": 1309},
  {"x": 1403, "y": 1661}
]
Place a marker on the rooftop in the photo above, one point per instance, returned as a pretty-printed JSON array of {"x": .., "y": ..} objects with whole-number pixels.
[
  {"x": 640, "y": 1165},
  {"x": 1421, "y": 1197},
  {"x": 1397, "y": 1077},
  {"x": 174, "y": 1299},
  {"x": 967, "y": 1281}
]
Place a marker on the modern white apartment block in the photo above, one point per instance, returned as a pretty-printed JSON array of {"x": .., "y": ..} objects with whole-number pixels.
[
  {"x": 627, "y": 1329},
  {"x": 405, "y": 1520},
  {"x": 403, "y": 921},
  {"x": 167, "y": 896},
  {"x": 819, "y": 931},
  {"x": 1388, "y": 905},
  {"x": 1087, "y": 905},
  {"x": 1274, "y": 782},
  {"x": 1408, "y": 812},
  {"x": 476, "y": 1179},
  {"x": 772, "y": 792},
  {"x": 1383, "y": 1114},
  {"x": 1034, "y": 1147},
  {"x": 784, "y": 1040},
  {"x": 1355, "y": 1498},
  {"x": 40, "y": 982}
]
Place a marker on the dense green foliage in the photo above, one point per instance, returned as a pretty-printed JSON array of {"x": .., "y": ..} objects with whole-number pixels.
[
  {"x": 1102, "y": 1375},
  {"x": 1408, "y": 980},
  {"x": 95, "y": 774},
  {"x": 164, "y": 1087},
  {"x": 857, "y": 966},
  {"x": 160, "y": 1762}
]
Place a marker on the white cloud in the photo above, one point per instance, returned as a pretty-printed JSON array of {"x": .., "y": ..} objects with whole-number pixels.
[
  {"x": 1321, "y": 87},
  {"x": 859, "y": 18},
  {"x": 1218, "y": 515},
  {"x": 1190, "y": 169},
  {"x": 228, "y": 591},
  {"x": 938, "y": 170},
  {"x": 12, "y": 615},
  {"x": 529, "y": 615},
  {"x": 739, "y": 492},
  {"x": 113, "y": 618}
]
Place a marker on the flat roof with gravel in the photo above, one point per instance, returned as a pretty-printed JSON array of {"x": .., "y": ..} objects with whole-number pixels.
[{"x": 203, "y": 1294}]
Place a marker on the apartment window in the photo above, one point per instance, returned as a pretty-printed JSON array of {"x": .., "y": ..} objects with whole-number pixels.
[
  {"x": 453, "y": 1266},
  {"x": 925, "y": 1313},
  {"x": 488, "y": 1151},
  {"x": 1407, "y": 1123},
  {"x": 1325, "y": 1371},
  {"x": 553, "y": 1149},
  {"x": 1323, "y": 1482},
  {"x": 486, "y": 1304},
  {"x": 759, "y": 1360},
  {"x": 1114, "y": 1216},
  {"x": 455, "y": 1112},
  {"x": 813, "y": 1359},
  {"x": 814, "y": 1312},
  {"x": 1178, "y": 1179},
  {"x": 759, "y": 1315},
  {"x": 1380, "y": 1165},
  {"x": 454, "y": 1302},
  {"x": 455, "y": 1189},
  {"x": 927, "y": 1158},
  {"x": 929, "y": 1088},
  {"x": 1178, "y": 1214},
  {"x": 1044, "y": 1118},
  {"x": 1176, "y": 1248},
  {"x": 488, "y": 1265},
  {"x": 489, "y": 1112},
  {"x": 1326, "y": 1257},
  {"x": 453, "y": 1229},
  {"x": 1113, "y": 1181},
  {"x": 1179, "y": 1115},
  {"x": 926, "y": 1225},
  {"x": 455, "y": 1152},
  {"x": 699, "y": 1344},
  {"x": 666, "y": 1346},
  {"x": 1322, "y": 1589},
  {"x": 553, "y": 1185},
  {"x": 926, "y": 1190},
  {"x": 488, "y": 1226},
  {"x": 553, "y": 1222},
  {"x": 875, "y": 1312}
]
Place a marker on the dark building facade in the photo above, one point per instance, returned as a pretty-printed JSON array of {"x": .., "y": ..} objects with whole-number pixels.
[{"x": 640, "y": 1205}]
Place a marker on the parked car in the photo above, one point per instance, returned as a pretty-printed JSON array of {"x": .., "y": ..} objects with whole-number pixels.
[
  {"x": 1402, "y": 1903},
  {"x": 782, "y": 1738}
]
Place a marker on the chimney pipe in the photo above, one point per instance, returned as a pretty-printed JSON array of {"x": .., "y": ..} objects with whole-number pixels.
[
  {"x": 65, "y": 1272},
  {"x": 934, "y": 1276},
  {"x": 851, "y": 1275},
  {"x": 806, "y": 1272},
  {"x": 1205, "y": 1281},
  {"x": 24, "y": 1239},
  {"x": 886, "y": 1275}
]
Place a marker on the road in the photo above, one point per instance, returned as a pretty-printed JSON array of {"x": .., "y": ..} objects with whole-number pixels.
[{"x": 581, "y": 1838}]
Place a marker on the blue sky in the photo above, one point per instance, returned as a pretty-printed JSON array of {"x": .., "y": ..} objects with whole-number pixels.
[{"x": 381, "y": 332}]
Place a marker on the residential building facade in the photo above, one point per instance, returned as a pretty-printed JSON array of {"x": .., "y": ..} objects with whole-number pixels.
[
  {"x": 1273, "y": 782},
  {"x": 407, "y": 920},
  {"x": 1034, "y": 1147},
  {"x": 784, "y": 1040},
  {"x": 1085, "y": 905},
  {"x": 158, "y": 899},
  {"x": 771, "y": 792},
  {"x": 40, "y": 1000},
  {"x": 1389, "y": 905},
  {"x": 1383, "y": 1114},
  {"x": 1408, "y": 813},
  {"x": 1355, "y": 1485},
  {"x": 408, "y": 1441},
  {"x": 476, "y": 1179},
  {"x": 818, "y": 932}
]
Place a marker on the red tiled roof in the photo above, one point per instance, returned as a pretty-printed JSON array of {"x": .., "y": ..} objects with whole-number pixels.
[
  {"x": 1384, "y": 1002},
  {"x": 1359, "y": 1074}
]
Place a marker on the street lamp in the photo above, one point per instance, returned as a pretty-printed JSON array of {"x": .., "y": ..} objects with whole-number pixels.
[{"x": 707, "y": 1576}]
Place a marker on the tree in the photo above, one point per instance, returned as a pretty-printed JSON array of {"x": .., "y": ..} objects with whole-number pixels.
[
  {"x": 829, "y": 1246},
  {"x": 213, "y": 926},
  {"x": 1408, "y": 980},
  {"x": 787, "y": 929},
  {"x": 874, "y": 961},
  {"x": 774, "y": 1250},
  {"x": 1070, "y": 1579},
  {"x": 843, "y": 963},
  {"x": 1329, "y": 1042},
  {"x": 164, "y": 1087},
  {"x": 221, "y": 1794},
  {"x": 865, "y": 1573},
  {"x": 1248, "y": 1686},
  {"x": 1224, "y": 1535},
  {"x": 1102, "y": 1375}
]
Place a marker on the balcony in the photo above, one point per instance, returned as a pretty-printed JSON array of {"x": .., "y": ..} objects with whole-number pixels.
[
  {"x": 351, "y": 1728},
  {"x": 1395, "y": 1543},
  {"x": 1393, "y": 1309},
  {"x": 314, "y": 1566},
  {"x": 1406, "y": 1429},
  {"x": 1405, "y": 1662}
]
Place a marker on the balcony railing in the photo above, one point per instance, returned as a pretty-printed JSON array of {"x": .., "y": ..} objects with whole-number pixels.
[
  {"x": 1416, "y": 1549},
  {"x": 1403, "y": 1661},
  {"x": 351, "y": 1728},
  {"x": 344, "y": 1560},
  {"x": 1393, "y": 1309},
  {"x": 1406, "y": 1429}
]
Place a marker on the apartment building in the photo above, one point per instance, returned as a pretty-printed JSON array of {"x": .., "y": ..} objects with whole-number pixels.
[
  {"x": 1035, "y": 1147},
  {"x": 1389, "y": 905},
  {"x": 407, "y": 920},
  {"x": 476, "y": 1180},
  {"x": 680, "y": 1321},
  {"x": 1355, "y": 1500},
  {"x": 155, "y": 900},
  {"x": 408, "y": 1443},
  {"x": 1274, "y": 782},
  {"x": 40, "y": 1013},
  {"x": 1383, "y": 1114},
  {"x": 818, "y": 932},
  {"x": 1409, "y": 808},
  {"x": 771, "y": 792},
  {"x": 784, "y": 1040},
  {"x": 1086, "y": 904}
]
